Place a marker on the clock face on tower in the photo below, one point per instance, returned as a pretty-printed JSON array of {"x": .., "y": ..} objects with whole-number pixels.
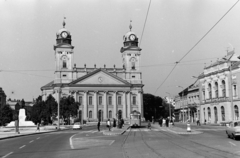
[
  {"x": 132, "y": 37},
  {"x": 64, "y": 34}
]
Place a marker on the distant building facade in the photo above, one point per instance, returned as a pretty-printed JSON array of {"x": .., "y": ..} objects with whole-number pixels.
[
  {"x": 103, "y": 93},
  {"x": 219, "y": 90}
]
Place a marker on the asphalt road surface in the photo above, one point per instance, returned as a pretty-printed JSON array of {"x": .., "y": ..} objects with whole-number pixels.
[{"x": 134, "y": 143}]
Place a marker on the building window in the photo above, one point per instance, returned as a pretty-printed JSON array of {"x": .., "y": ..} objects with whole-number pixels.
[
  {"x": 236, "y": 112},
  {"x": 216, "y": 90},
  {"x": 234, "y": 90},
  {"x": 80, "y": 100},
  {"x": 90, "y": 100},
  {"x": 223, "y": 88},
  {"x": 209, "y": 114},
  {"x": 110, "y": 100},
  {"x": 223, "y": 113},
  {"x": 133, "y": 65},
  {"x": 100, "y": 100},
  {"x": 215, "y": 115},
  {"x": 110, "y": 114},
  {"x": 119, "y": 100},
  {"x": 90, "y": 114},
  {"x": 134, "y": 100},
  {"x": 210, "y": 91},
  {"x": 64, "y": 64},
  {"x": 203, "y": 92}
]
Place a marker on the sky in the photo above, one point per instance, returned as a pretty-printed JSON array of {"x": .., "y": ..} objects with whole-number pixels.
[{"x": 28, "y": 32}]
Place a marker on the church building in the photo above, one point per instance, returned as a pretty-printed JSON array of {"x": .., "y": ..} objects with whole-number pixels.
[{"x": 103, "y": 93}]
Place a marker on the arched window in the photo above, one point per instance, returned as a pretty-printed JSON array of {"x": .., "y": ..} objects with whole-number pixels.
[
  {"x": 216, "y": 90},
  {"x": 215, "y": 115},
  {"x": 110, "y": 114},
  {"x": 236, "y": 112},
  {"x": 209, "y": 114},
  {"x": 223, "y": 88},
  {"x": 133, "y": 65},
  {"x": 134, "y": 100},
  {"x": 100, "y": 115},
  {"x": 64, "y": 64},
  {"x": 223, "y": 113},
  {"x": 90, "y": 114},
  {"x": 210, "y": 90}
]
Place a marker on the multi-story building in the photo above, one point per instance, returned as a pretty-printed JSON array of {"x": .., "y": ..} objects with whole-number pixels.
[
  {"x": 219, "y": 90},
  {"x": 102, "y": 92},
  {"x": 180, "y": 110},
  {"x": 2, "y": 98}
]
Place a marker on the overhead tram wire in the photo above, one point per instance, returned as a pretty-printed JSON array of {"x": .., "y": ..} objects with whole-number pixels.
[
  {"x": 145, "y": 23},
  {"x": 195, "y": 45}
]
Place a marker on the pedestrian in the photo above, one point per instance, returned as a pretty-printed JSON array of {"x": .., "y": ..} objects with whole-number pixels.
[
  {"x": 160, "y": 121},
  {"x": 163, "y": 122},
  {"x": 167, "y": 122},
  {"x": 98, "y": 125},
  {"x": 109, "y": 124},
  {"x": 38, "y": 128},
  {"x": 149, "y": 124},
  {"x": 114, "y": 122}
]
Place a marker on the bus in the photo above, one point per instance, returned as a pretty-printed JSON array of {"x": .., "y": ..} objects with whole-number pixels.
[{"x": 135, "y": 119}]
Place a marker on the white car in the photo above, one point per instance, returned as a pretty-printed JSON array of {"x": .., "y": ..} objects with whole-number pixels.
[
  {"x": 233, "y": 130},
  {"x": 77, "y": 125}
]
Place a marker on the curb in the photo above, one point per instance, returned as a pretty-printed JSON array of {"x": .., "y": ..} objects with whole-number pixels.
[{"x": 22, "y": 135}]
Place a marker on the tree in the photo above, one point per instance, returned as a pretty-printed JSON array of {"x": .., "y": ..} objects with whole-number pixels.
[
  {"x": 68, "y": 108},
  {"x": 6, "y": 115},
  {"x": 37, "y": 108},
  {"x": 50, "y": 109}
]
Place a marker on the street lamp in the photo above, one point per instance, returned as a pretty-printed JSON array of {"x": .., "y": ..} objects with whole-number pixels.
[
  {"x": 169, "y": 106},
  {"x": 182, "y": 102}
]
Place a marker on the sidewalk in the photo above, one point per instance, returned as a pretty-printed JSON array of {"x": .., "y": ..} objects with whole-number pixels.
[
  {"x": 176, "y": 130},
  {"x": 116, "y": 131}
]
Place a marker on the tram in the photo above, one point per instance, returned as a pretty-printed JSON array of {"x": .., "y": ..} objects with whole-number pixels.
[{"x": 135, "y": 119}]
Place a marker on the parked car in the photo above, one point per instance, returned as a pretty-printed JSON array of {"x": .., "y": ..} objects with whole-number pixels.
[
  {"x": 77, "y": 125},
  {"x": 233, "y": 130}
]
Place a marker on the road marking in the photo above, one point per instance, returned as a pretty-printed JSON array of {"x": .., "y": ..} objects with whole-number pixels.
[
  {"x": 38, "y": 138},
  {"x": 70, "y": 140},
  {"x": 7, "y": 154},
  {"x": 232, "y": 143},
  {"x": 112, "y": 142},
  {"x": 31, "y": 141},
  {"x": 22, "y": 146}
]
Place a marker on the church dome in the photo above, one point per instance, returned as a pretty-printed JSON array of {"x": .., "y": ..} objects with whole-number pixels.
[
  {"x": 63, "y": 35},
  {"x": 130, "y": 36}
]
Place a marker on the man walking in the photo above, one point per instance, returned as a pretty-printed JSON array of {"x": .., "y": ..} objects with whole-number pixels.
[
  {"x": 109, "y": 124},
  {"x": 38, "y": 128},
  {"x": 98, "y": 125}
]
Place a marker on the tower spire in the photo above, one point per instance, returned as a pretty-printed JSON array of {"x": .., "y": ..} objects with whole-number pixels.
[
  {"x": 64, "y": 23},
  {"x": 130, "y": 26}
]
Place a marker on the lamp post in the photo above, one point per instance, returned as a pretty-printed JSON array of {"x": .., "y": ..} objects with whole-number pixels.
[
  {"x": 169, "y": 106},
  {"x": 182, "y": 102}
]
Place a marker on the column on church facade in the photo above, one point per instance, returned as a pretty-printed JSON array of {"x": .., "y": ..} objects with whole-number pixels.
[
  {"x": 95, "y": 109},
  {"x": 85, "y": 100},
  {"x": 114, "y": 104},
  {"x": 129, "y": 103},
  {"x": 140, "y": 102},
  {"x": 124, "y": 106},
  {"x": 105, "y": 111}
]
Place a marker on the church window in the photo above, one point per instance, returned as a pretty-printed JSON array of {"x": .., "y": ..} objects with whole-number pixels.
[
  {"x": 64, "y": 64},
  {"x": 110, "y": 114},
  {"x": 110, "y": 100},
  {"x": 119, "y": 100},
  {"x": 134, "y": 100},
  {"x": 100, "y": 100},
  {"x": 90, "y": 114},
  {"x": 80, "y": 100},
  {"x": 133, "y": 65},
  {"x": 90, "y": 100}
]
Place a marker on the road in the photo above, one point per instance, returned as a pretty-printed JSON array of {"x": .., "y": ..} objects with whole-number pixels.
[{"x": 134, "y": 143}]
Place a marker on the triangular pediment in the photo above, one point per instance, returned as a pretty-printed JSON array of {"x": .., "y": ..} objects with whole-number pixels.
[{"x": 100, "y": 77}]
